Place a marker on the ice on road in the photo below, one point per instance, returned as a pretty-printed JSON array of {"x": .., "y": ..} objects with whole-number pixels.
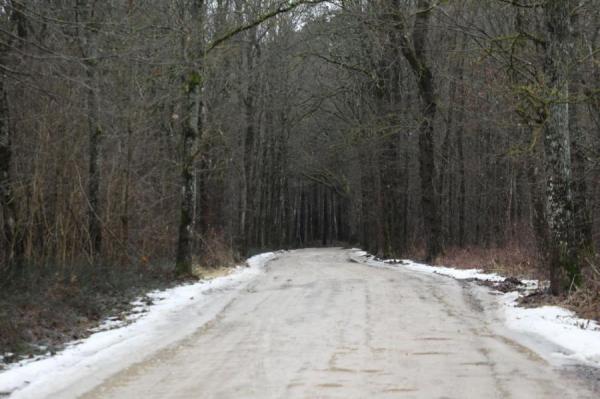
[{"x": 315, "y": 325}]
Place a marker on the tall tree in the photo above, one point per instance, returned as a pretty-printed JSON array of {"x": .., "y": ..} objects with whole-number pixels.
[
  {"x": 414, "y": 48},
  {"x": 88, "y": 30},
  {"x": 557, "y": 144},
  {"x": 191, "y": 129},
  {"x": 15, "y": 21}
]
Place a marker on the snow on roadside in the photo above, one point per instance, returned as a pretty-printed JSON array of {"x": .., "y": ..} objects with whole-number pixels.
[
  {"x": 459, "y": 274},
  {"x": 174, "y": 314},
  {"x": 573, "y": 338},
  {"x": 577, "y": 339}
]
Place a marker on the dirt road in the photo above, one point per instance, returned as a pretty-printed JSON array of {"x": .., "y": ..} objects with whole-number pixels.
[{"x": 315, "y": 325}]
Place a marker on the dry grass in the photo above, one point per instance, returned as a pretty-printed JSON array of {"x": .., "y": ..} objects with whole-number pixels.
[
  {"x": 519, "y": 259},
  {"x": 585, "y": 300},
  {"x": 209, "y": 274},
  {"x": 516, "y": 259},
  {"x": 217, "y": 253},
  {"x": 42, "y": 311}
]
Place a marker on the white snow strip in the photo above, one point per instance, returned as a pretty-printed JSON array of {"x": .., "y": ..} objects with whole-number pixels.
[
  {"x": 459, "y": 274},
  {"x": 574, "y": 338},
  {"x": 175, "y": 314},
  {"x": 571, "y": 338}
]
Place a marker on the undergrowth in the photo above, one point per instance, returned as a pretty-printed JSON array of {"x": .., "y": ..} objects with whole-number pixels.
[
  {"x": 45, "y": 308},
  {"x": 517, "y": 259}
]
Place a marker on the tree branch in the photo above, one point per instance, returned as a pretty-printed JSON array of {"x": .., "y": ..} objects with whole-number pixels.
[{"x": 283, "y": 7}]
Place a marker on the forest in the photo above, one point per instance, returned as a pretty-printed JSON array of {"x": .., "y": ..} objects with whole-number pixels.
[{"x": 151, "y": 137}]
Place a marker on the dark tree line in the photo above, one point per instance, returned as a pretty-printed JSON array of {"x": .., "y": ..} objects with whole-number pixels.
[{"x": 145, "y": 129}]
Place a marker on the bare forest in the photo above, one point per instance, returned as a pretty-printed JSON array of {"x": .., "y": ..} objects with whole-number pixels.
[{"x": 144, "y": 141}]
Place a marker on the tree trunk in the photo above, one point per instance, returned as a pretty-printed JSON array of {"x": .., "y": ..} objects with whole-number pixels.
[
  {"x": 538, "y": 208},
  {"x": 248, "y": 162},
  {"x": 462, "y": 190},
  {"x": 581, "y": 207},
  {"x": 190, "y": 134},
  {"x": 557, "y": 146},
  {"x": 325, "y": 228},
  {"x": 379, "y": 211},
  {"x": 125, "y": 198},
  {"x": 88, "y": 40},
  {"x": 94, "y": 162},
  {"x": 460, "y": 138},
  {"x": 414, "y": 52},
  {"x": 582, "y": 210},
  {"x": 12, "y": 244}
]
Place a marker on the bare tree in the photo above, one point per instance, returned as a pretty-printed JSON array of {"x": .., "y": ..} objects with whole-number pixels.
[
  {"x": 557, "y": 144},
  {"x": 414, "y": 50}
]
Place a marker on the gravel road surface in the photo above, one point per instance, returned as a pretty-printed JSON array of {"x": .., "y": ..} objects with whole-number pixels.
[{"x": 316, "y": 325}]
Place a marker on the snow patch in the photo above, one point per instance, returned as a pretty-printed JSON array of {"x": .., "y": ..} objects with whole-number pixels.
[
  {"x": 459, "y": 274},
  {"x": 572, "y": 338},
  {"x": 578, "y": 339},
  {"x": 172, "y": 315}
]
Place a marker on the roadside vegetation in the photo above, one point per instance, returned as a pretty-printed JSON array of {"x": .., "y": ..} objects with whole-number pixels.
[
  {"x": 42, "y": 311},
  {"x": 520, "y": 260}
]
